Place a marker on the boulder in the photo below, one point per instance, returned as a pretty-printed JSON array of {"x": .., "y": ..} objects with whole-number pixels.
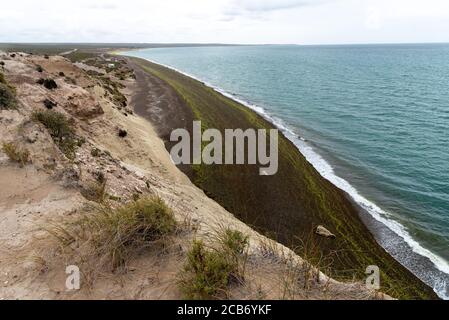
[{"x": 322, "y": 231}]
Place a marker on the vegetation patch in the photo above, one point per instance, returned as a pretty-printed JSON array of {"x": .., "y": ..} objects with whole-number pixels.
[
  {"x": 60, "y": 130},
  {"x": 49, "y": 104},
  {"x": 122, "y": 133},
  {"x": 16, "y": 154},
  {"x": 50, "y": 84},
  {"x": 209, "y": 272},
  {"x": 109, "y": 237},
  {"x": 7, "y": 95}
]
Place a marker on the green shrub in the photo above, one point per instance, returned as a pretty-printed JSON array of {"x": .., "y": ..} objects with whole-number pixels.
[
  {"x": 60, "y": 130},
  {"x": 208, "y": 273},
  {"x": 235, "y": 241},
  {"x": 15, "y": 154}
]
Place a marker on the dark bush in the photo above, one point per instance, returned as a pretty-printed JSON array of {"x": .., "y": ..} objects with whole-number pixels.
[
  {"x": 122, "y": 133},
  {"x": 61, "y": 74},
  {"x": 49, "y": 104},
  {"x": 50, "y": 84},
  {"x": 39, "y": 69},
  {"x": 46, "y": 57}
]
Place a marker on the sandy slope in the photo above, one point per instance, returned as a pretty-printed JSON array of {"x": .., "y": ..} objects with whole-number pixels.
[{"x": 48, "y": 191}]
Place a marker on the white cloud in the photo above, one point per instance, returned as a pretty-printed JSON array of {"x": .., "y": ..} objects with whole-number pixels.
[{"x": 229, "y": 21}]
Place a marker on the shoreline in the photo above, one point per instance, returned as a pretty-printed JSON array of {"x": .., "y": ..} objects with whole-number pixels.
[
  {"x": 288, "y": 135},
  {"x": 372, "y": 215}
]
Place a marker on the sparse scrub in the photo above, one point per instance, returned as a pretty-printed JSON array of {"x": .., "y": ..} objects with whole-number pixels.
[
  {"x": 7, "y": 98},
  {"x": 7, "y": 94},
  {"x": 109, "y": 237},
  {"x": 60, "y": 130},
  {"x": 16, "y": 154},
  {"x": 209, "y": 272}
]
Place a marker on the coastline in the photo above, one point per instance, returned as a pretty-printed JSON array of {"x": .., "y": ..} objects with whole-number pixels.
[
  {"x": 266, "y": 117},
  {"x": 390, "y": 234}
]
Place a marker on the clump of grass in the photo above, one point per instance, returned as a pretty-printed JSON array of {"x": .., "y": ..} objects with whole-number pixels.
[
  {"x": 209, "y": 272},
  {"x": 111, "y": 236},
  {"x": 60, "y": 130},
  {"x": 16, "y": 154}
]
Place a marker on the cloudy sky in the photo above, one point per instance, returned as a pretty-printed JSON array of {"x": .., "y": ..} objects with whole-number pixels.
[{"x": 226, "y": 21}]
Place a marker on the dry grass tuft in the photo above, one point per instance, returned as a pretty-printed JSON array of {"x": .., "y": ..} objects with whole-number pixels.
[
  {"x": 22, "y": 156},
  {"x": 108, "y": 238}
]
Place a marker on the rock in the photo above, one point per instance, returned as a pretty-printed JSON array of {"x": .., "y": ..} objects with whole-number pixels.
[
  {"x": 138, "y": 190},
  {"x": 32, "y": 137},
  {"x": 322, "y": 231},
  {"x": 70, "y": 176}
]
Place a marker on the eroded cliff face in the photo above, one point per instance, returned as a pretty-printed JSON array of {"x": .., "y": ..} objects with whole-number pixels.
[{"x": 72, "y": 144}]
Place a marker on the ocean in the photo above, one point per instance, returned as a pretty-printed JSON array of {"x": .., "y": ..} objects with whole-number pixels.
[{"x": 372, "y": 119}]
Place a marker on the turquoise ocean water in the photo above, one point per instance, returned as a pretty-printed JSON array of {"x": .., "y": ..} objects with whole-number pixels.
[{"x": 373, "y": 119}]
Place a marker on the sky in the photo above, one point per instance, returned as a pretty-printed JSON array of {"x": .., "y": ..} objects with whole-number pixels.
[{"x": 226, "y": 21}]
